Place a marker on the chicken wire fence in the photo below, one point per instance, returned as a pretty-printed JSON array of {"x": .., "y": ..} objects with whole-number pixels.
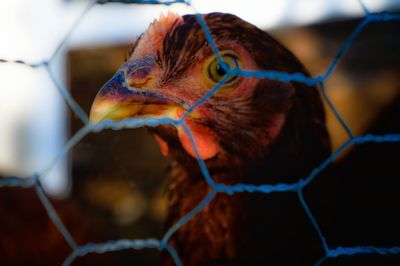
[{"x": 162, "y": 244}]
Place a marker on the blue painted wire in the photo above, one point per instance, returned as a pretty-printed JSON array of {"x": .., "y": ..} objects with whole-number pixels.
[
  {"x": 321, "y": 261},
  {"x": 350, "y": 251},
  {"x": 109, "y": 246},
  {"x": 200, "y": 161},
  {"x": 132, "y": 123},
  {"x": 371, "y": 17},
  {"x": 72, "y": 29},
  {"x": 364, "y": 7},
  {"x": 172, "y": 252},
  {"x": 14, "y": 181},
  {"x": 209, "y": 38},
  {"x": 207, "y": 95},
  {"x": 54, "y": 216},
  {"x": 146, "y": 2},
  {"x": 280, "y": 187},
  {"x": 24, "y": 63},
  {"x": 67, "y": 147},
  {"x": 188, "y": 216},
  {"x": 281, "y": 76},
  {"x": 377, "y": 138},
  {"x": 68, "y": 98},
  {"x": 327, "y": 162},
  {"x": 335, "y": 111},
  {"x": 313, "y": 220}
]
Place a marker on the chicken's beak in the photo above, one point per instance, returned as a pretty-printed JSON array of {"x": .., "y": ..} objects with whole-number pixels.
[{"x": 116, "y": 101}]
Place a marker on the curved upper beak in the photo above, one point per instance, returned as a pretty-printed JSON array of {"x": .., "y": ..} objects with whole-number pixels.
[{"x": 116, "y": 101}]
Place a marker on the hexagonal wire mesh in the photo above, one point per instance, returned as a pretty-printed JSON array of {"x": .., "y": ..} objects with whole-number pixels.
[{"x": 297, "y": 187}]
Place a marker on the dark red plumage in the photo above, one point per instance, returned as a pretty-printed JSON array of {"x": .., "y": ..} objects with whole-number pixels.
[
  {"x": 235, "y": 230},
  {"x": 251, "y": 131}
]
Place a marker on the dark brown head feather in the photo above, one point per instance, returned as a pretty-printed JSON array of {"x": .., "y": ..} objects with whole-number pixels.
[{"x": 244, "y": 124}]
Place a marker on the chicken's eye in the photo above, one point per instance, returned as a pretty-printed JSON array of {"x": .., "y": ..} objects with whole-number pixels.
[{"x": 215, "y": 72}]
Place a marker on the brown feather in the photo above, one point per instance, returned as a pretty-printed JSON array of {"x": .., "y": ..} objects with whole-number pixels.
[{"x": 242, "y": 229}]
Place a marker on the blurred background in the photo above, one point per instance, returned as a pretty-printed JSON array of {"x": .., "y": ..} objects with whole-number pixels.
[{"x": 112, "y": 185}]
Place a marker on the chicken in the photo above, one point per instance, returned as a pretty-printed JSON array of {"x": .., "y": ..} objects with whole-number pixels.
[{"x": 251, "y": 130}]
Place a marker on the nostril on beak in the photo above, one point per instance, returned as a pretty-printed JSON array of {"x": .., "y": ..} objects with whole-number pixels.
[
  {"x": 138, "y": 77},
  {"x": 137, "y": 83},
  {"x": 138, "y": 71}
]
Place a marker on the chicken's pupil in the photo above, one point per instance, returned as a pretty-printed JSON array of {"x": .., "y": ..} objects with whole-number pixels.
[{"x": 220, "y": 70}]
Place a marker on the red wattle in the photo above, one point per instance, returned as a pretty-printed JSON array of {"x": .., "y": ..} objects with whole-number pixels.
[{"x": 206, "y": 141}]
